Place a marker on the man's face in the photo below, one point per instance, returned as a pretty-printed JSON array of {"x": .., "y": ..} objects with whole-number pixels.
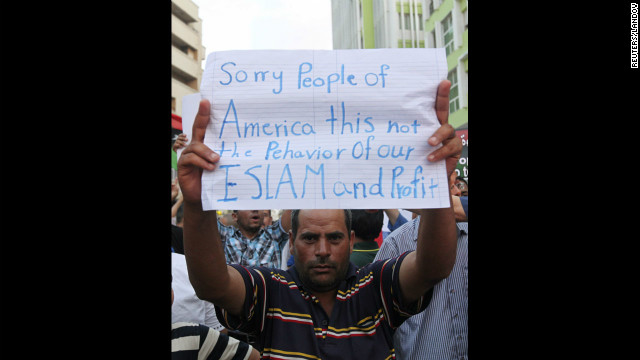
[
  {"x": 464, "y": 190},
  {"x": 321, "y": 249},
  {"x": 267, "y": 219},
  {"x": 249, "y": 220},
  {"x": 452, "y": 185}
]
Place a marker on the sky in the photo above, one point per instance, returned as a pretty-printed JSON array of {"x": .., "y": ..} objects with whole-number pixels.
[{"x": 265, "y": 25}]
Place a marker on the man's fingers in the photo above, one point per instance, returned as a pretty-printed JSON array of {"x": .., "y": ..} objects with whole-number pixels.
[
  {"x": 201, "y": 121},
  {"x": 442, "y": 101},
  {"x": 444, "y": 132},
  {"x": 202, "y": 151},
  {"x": 193, "y": 159},
  {"x": 450, "y": 148}
]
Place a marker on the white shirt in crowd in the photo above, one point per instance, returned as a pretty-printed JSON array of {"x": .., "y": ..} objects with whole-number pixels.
[{"x": 187, "y": 307}]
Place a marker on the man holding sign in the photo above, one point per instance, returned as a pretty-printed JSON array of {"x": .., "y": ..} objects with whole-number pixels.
[{"x": 321, "y": 308}]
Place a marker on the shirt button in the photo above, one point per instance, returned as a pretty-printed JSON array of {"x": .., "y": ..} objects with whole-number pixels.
[
  {"x": 324, "y": 322},
  {"x": 452, "y": 291}
]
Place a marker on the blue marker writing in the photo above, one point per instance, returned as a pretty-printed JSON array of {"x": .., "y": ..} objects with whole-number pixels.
[
  {"x": 248, "y": 172},
  {"x": 235, "y": 116},
  {"x": 228, "y": 184},
  {"x": 290, "y": 181},
  {"x": 306, "y": 175}
]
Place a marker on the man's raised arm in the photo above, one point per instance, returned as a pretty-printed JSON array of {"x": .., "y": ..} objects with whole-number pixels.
[
  {"x": 209, "y": 274},
  {"x": 435, "y": 253}
]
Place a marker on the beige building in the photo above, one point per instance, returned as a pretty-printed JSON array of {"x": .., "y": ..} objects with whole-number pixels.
[{"x": 187, "y": 52}]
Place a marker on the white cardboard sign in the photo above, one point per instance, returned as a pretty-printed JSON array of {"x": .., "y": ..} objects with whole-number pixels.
[{"x": 323, "y": 129}]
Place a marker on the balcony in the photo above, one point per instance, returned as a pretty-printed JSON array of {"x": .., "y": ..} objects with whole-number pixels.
[
  {"x": 183, "y": 34},
  {"x": 185, "y": 10},
  {"x": 186, "y": 65}
]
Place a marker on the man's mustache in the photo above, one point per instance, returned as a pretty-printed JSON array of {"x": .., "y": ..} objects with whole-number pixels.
[{"x": 321, "y": 261}]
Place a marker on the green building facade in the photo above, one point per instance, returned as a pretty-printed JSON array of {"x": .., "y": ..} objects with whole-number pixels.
[{"x": 417, "y": 23}]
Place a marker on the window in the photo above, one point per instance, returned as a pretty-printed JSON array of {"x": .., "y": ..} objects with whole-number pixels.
[
  {"x": 407, "y": 22},
  {"x": 454, "y": 99},
  {"x": 447, "y": 33},
  {"x": 431, "y": 7},
  {"x": 420, "y": 21}
]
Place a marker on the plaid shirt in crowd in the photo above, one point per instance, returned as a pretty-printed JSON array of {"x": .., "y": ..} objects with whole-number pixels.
[{"x": 263, "y": 250}]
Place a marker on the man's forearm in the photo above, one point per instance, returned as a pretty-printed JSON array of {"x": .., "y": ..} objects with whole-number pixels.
[
  {"x": 437, "y": 241},
  {"x": 204, "y": 252},
  {"x": 434, "y": 256},
  {"x": 392, "y": 214}
]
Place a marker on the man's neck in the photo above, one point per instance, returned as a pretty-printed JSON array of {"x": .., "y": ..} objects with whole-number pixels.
[
  {"x": 327, "y": 300},
  {"x": 248, "y": 234},
  {"x": 357, "y": 240}
]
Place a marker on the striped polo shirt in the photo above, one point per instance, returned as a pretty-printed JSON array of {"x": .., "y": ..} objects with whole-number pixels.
[
  {"x": 191, "y": 341},
  {"x": 291, "y": 324}
]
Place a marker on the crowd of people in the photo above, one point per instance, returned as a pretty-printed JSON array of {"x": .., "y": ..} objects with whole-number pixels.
[{"x": 318, "y": 284}]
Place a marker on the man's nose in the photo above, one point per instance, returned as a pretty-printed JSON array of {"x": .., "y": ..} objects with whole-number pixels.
[{"x": 323, "y": 248}]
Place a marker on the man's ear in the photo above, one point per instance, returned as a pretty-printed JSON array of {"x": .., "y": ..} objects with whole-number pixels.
[
  {"x": 352, "y": 238},
  {"x": 290, "y": 242}
]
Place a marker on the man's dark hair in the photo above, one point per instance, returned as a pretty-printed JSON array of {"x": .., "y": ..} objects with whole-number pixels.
[
  {"x": 367, "y": 225},
  {"x": 294, "y": 222}
]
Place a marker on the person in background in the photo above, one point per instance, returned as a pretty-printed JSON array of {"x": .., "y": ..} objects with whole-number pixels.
[
  {"x": 191, "y": 341},
  {"x": 227, "y": 220},
  {"x": 439, "y": 332},
  {"x": 195, "y": 330},
  {"x": 176, "y": 230},
  {"x": 366, "y": 225},
  {"x": 176, "y": 200},
  {"x": 186, "y": 306},
  {"x": 252, "y": 244},
  {"x": 462, "y": 184},
  {"x": 180, "y": 216},
  {"x": 395, "y": 219},
  {"x": 267, "y": 218}
]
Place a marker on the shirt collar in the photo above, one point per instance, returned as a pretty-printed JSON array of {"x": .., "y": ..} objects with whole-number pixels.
[
  {"x": 461, "y": 227},
  {"x": 351, "y": 272},
  {"x": 366, "y": 245},
  {"x": 238, "y": 234}
]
